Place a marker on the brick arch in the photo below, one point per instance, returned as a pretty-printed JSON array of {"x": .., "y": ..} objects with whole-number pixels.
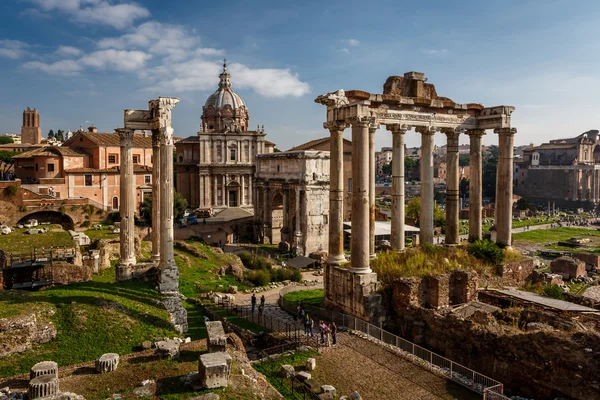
[{"x": 54, "y": 217}]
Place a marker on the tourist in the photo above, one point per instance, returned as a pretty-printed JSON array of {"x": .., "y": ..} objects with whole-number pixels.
[
  {"x": 306, "y": 323},
  {"x": 333, "y": 332},
  {"x": 261, "y": 308},
  {"x": 322, "y": 331},
  {"x": 311, "y": 326},
  {"x": 253, "y": 301},
  {"x": 327, "y": 335},
  {"x": 262, "y": 300}
]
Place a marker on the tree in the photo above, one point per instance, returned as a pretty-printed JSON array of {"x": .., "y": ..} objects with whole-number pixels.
[
  {"x": 60, "y": 135},
  {"x": 179, "y": 206},
  {"x": 413, "y": 211},
  {"x": 387, "y": 169},
  {"x": 488, "y": 179},
  {"x": 6, "y": 140},
  {"x": 6, "y": 160},
  {"x": 463, "y": 188},
  {"x": 276, "y": 150},
  {"x": 51, "y": 134},
  {"x": 410, "y": 164},
  {"x": 463, "y": 160},
  {"x": 523, "y": 204}
]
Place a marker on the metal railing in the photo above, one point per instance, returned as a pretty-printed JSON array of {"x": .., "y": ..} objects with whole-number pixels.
[{"x": 490, "y": 388}]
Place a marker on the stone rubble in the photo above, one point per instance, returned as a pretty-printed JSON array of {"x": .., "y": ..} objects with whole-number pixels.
[
  {"x": 214, "y": 370},
  {"x": 168, "y": 348},
  {"x": 107, "y": 362}
]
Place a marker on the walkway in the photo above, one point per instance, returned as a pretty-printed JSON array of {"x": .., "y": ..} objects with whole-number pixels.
[{"x": 545, "y": 301}]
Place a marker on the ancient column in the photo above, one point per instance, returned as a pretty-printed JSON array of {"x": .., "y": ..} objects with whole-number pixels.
[
  {"x": 504, "y": 185},
  {"x": 427, "y": 194},
  {"x": 127, "y": 206},
  {"x": 336, "y": 193},
  {"x": 372, "y": 129},
  {"x": 155, "y": 197},
  {"x": 397, "y": 234},
  {"x": 452, "y": 187},
  {"x": 242, "y": 190},
  {"x": 267, "y": 212},
  {"x": 298, "y": 231},
  {"x": 360, "y": 194},
  {"x": 475, "y": 181},
  {"x": 285, "y": 229}
]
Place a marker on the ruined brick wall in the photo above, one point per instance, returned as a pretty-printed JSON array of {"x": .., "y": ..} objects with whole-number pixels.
[
  {"x": 568, "y": 267},
  {"x": 516, "y": 273},
  {"x": 63, "y": 273},
  {"x": 591, "y": 260},
  {"x": 463, "y": 286}
]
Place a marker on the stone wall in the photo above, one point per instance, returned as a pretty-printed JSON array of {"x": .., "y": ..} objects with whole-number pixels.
[
  {"x": 568, "y": 267},
  {"x": 19, "y": 334},
  {"x": 592, "y": 261},
  {"x": 516, "y": 273},
  {"x": 463, "y": 286},
  {"x": 354, "y": 294},
  {"x": 63, "y": 273}
]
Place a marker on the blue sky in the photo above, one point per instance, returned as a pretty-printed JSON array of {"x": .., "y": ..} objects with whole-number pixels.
[{"x": 87, "y": 60}]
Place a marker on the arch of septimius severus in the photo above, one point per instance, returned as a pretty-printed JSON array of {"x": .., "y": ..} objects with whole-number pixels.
[
  {"x": 406, "y": 103},
  {"x": 157, "y": 119}
]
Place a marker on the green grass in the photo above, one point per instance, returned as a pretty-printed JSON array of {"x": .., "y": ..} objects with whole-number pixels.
[
  {"x": 554, "y": 235},
  {"x": 91, "y": 318},
  {"x": 532, "y": 222},
  {"x": 271, "y": 368},
  {"x": 101, "y": 234},
  {"x": 18, "y": 242},
  {"x": 312, "y": 297}
]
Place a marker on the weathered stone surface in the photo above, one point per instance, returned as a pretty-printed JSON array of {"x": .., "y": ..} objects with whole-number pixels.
[
  {"x": 214, "y": 369},
  {"x": 517, "y": 272},
  {"x": 312, "y": 385},
  {"x": 146, "y": 389},
  {"x": 216, "y": 338},
  {"x": 18, "y": 334},
  {"x": 107, "y": 362},
  {"x": 439, "y": 288},
  {"x": 146, "y": 345},
  {"x": 568, "y": 267},
  {"x": 177, "y": 313},
  {"x": 65, "y": 396},
  {"x": 43, "y": 386},
  {"x": 303, "y": 376},
  {"x": 287, "y": 371},
  {"x": 44, "y": 368},
  {"x": 233, "y": 289},
  {"x": 355, "y": 396},
  {"x": 328, "y": 389},
  {"x": 537, "y": 326},
  {"x": 311, "y": 364},
  {"x": 463, "y": 286},
  {"x": 168, "y": 348},
  {"x": 326, "y": 396},
  {"x": 208, "y": 396},
  {"x": 592, "y": 261}
]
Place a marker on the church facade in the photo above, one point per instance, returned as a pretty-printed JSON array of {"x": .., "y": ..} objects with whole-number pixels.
[{"x": 215, "y": 169}]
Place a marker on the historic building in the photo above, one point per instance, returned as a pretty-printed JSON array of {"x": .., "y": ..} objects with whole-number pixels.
[
  {"x": 31, "y": 133},
  {"x": 87, "y": 165},
  {"x": 565, "y": 171},
  {"x": 215, "y": 168},
  {"x": 292, "y": 199}
]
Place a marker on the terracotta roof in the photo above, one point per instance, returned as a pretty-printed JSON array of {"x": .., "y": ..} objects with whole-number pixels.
[
  {"x": 111, "y": 170},
  {"x": 109, "y": 139},
  {"x": 317, "y": 142},
  {"x": 53, "y": 151},
  {"x": 269, "y": 143}
]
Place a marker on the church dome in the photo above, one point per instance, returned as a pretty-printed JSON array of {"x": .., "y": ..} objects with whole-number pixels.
[{"x": 225, "y": 95}]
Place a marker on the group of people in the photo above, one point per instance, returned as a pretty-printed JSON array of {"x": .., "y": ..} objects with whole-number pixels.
[
  {"x": 261, "y": 308},
  {"x": 328, "y": 332}
]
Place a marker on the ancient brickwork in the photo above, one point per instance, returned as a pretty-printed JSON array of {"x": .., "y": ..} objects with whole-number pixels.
[
  {"x": 568, "y": 267},
  {"x": 516, "y": 273},
  {"x": 463, "y": 286},
  {"x": 592, "y": 261}
]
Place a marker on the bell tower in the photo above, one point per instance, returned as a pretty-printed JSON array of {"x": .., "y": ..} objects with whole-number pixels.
[{"x": 31, "y": 133}]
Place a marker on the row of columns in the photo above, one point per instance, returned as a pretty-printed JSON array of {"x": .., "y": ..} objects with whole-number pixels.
[
  {"x": 363, "y": 188},
  {"x": 586, "y": 184}
]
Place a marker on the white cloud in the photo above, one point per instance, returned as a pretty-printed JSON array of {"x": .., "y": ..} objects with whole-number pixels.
[
  {"x": 13, "y": 49},
  {"x": 352, "y": 42},
  {"x": 100, "y": 12},
  {"x": 68, "y": 51},
  {"x": 434, "y": 52},
  {"x": 118, "y": 60},
  {"x": 344, "y": 50},
  {"x": 269, "y": 82}
]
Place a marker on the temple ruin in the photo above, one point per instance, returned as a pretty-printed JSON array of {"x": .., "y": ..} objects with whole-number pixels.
[{"x": 407, "y": 103}]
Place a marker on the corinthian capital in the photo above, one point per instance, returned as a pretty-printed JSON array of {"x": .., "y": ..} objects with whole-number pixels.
[
  {"x": 426, "y": 130},
  {"x": 125, "y": 136},
  {"x": 398, "y": 128},
  {"x": 475, "y": 132},
  {"x": 505, "y": 131},
  {"x": 363, "y": 122},
  {"x": 335, "y": 126},
  {"x": 165, "y": 136},
  {"x": 161, "y": 110}
]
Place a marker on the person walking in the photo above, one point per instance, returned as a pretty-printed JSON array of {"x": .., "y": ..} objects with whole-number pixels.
[
  {"x": 327, "y": 334},
  {"x": 253, "y": 301},
  {"x": 306, "y": 321},
  {"x": 333, "y": 329},
  {"x": 311, "y": 326},
  {"x": 262, "y": 301},
  {"x": 322, "y": 331}
]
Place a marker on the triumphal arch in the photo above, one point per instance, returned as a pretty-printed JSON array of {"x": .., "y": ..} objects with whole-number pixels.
[{"x": 407, "y": 103}]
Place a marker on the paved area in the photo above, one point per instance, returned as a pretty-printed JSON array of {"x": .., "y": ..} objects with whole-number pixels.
[
  {"x": 592, "y": 293},
  {"x": 272, "y": 296},
  {"x": 545, "y": 301}
]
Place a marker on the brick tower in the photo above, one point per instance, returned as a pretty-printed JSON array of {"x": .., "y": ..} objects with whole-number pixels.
[{"x": 31, "y": 133}]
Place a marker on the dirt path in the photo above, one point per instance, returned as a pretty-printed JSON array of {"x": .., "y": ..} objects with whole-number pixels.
[{"x": 272, "y": 296}]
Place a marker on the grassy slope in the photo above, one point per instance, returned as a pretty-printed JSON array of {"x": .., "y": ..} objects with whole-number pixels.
[
  {"x": 554, "y": 235},
  {"x": 313, "y": 297},
  {"x": 20, "y": 242}
]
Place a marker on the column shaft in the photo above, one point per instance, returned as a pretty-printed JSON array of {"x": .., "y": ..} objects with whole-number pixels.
[
  {"x": 286, "y": 211},
  {"x": 504, "y": 186},
  {"x": 397, "y": 234},
  {"x": 297, "y": 229},
  {"x": 127, "y": 207},
  {"x": 475, "y": 181},
  {"x": 336, "y": 195},
  {"x": 427, "y": 200},
  {"x": 372, "y": 130},
  {"x": 155, "y": 197},
  {"x": 360, "y": 195},
  {"x": 452, "y": 187}
]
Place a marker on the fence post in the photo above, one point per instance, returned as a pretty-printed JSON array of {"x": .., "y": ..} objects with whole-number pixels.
[
  {"x": 368, "y": 329},
  {"x": 451, "y": 375}
]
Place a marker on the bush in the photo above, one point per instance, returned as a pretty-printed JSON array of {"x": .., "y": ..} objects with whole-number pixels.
[
  {"x": 113, "y": 217},
  {"x": 85, "y": 224},
  {"x": 486, "y": 250},
  {"x": 554, "y": 291},
  {"x": 254, "y": 262},
  {"x": 11, "y": 191},
  {"x": 259, "y": 277}
]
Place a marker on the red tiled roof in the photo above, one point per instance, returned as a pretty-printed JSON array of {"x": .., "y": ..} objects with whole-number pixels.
[
  {"x": 53, "y": 151},
  {"x": 317, "y": 142},
  {"x": 111, "y": 170},
  {"x": 109, "y": 139}
]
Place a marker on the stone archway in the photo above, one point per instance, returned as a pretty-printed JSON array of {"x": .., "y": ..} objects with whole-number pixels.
[
  {"x": 233, "y": 194},
  {"x": 53, "y": 217},
  {"x": 277, "y": 216}
]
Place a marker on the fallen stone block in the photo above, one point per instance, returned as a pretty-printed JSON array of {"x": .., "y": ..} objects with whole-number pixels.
[
  {"x": 328, "y": 389},
  {"x": 312, "y": 385},
  {"x": 43, "y": 386},
  {"x": 44, "y": 368},
  {"x": 207, "y": 396},
  {"x": 311, "y": 364},
  {"x": 213, "y": 369},
  {"x": 233, "y": 289},
  {"x": 303, "y": 376},
  {"x": 287, "y": 371},
  {"x": 355, "y": 396},
  {"x": 146, "y": 345},
  {"x": 216, "y": 338},
  {"x": 168, "y": 348},
  {"x": 107, "y": 362},
  {"x": 326, "y": 396}
]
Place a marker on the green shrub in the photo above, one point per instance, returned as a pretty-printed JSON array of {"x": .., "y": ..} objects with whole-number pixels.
[
  {"x": 63, "y": 210},
  {"x": 486, "y": 250},
  {"x": 259, "y": 277},
  {"x": 113, "y": 217},
  {"x": 11, "y": 191},
  {"x": 85, "y": 224},
  {"x": 254, "y": 262},
  {"x": 554, "y": 291}
]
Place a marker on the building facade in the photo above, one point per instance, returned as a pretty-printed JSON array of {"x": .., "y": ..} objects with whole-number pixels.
[
  {"x": 565, "y": 171},
  {"x": 87, "y": 165},
  {"x": 215, "y": 168},
  {"x": 31, "y": 133},
  {"x": 292, "y": 199}
]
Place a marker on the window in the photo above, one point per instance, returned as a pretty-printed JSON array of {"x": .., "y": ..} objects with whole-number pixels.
[
  {"x": 36, "y": 167},
  {"x": 247, "y": 151},
  {"x": 147, "y": 179},
  {"x": 232, "y": 154},
  {"x": 88, "y": 180},
  {"x": 112, "y": 158},
  {"x": 136, "y": 158},
  {"x": 218, "y": 151},
  {"x": 50, "y": 167},
  {"x": 349, "y": 184}
]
